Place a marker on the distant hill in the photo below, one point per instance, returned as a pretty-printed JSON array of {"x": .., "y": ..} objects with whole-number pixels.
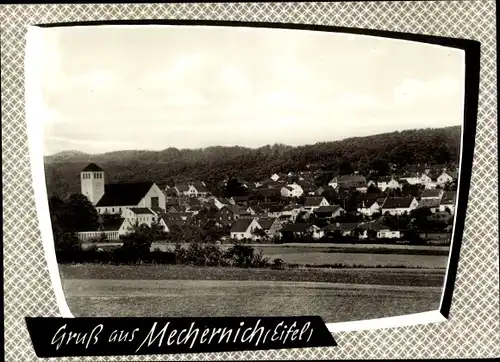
[{"x": 213, "y": 164}]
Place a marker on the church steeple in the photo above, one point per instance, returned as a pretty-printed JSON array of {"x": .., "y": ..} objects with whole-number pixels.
[{"x": 92, "y": 179}]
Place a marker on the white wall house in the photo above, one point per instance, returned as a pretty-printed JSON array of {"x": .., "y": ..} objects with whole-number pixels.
[
  {"x": 446, "y": 177},
  {"x": 428, "y": 181},
  {"x": 388, "y": 183},
  {"x": 275, "y": 177},
  {"x": 368, "y": 208},
  {"x": 244, "y": 228},
  {"x": 312, "y": 203},
  {"x": 399, "y": 205},
  {"x": 292, "y": 190}
]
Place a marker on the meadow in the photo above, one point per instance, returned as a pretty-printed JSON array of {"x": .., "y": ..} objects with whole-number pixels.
[{"x": 338, "y": 295}]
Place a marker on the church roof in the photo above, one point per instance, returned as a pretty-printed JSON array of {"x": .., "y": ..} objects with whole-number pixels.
[
  {"x": 92, "y": 167},
  {"x": 124, "y": 194}
]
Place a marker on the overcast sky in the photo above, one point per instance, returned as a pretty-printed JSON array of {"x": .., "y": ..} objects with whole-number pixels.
[{"x": 114, "y": 88}]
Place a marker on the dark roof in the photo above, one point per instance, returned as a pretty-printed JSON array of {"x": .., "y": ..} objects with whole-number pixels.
[
  {"x": 313, "y": 201},
  {"x": 275, "y": 208},
  {"x": 372, "y": 225},
  {"x": 397, "y": 202},
  {"x": 381, "y": 201},
  {"x": 453, "y": 174},
  {"x": 266, "y": 192},
  {"x": 428, "y": 203},
  {"x": 125, "y": 194},
  {"x": 384, "y": 178},
  {"x": 141, "y": 211},
  {"x": 92, "y": 167},
  {"x": 296, "y": 228},
  {"x": 111, "y": 224},
  {"x": 200, "y": 187},
  {"x": 342, "y": 226},
  {"x": 241, "y": 225},
  {"x": 327, "y": 209},
  {"x": 350, "y": 179},
  {"x": 292, "y": 207},
  {"x": 449, "y": 198},
  {"x": 431, "y": 193},
  {"x": 266, "y": 222},
  {"x": 240, "y": 198},
  {"x": 182, "y": 187}
]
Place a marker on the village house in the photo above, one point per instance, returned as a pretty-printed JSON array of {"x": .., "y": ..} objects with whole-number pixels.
[
  {"x": 447, "y": 177},
  {"x": 399, "y": 205},
  {"x": 110, "y": 228},
  {"x": 244, "y": 229},
  {"x": 290, "y": 231},
  {"x": 432, "y": 204},
  {"x": 412, "y": 178},
  {"x": 313, "y": 202},
  {"x": 271, "y": 226},
  {"x": 344, "y": 228},
  {"x": 292, "y": 211},
  {"x": 448, "y": 201},
  {"x": 328, "y": 212},
  {"x": 348, "y": 181},
  {"x": 369, "y": 206},
  {"x": 429, "y": 180},
  {"x": 255, "y": 210},
  {"x": 275, "y": 211},
  {"x": 292, "y": 190},
  {"x": 433, "y": 194},
  {"x": 388, "y": 182}
]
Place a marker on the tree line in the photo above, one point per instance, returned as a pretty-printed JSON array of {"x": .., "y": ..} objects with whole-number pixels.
[{"x": 215, "y": 164}]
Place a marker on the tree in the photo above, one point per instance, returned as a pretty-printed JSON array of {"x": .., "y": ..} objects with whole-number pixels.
[
  {"x": 79, "y": 214},
  {"x": 380, "y": 166},
  {"x": 345, "y": 168},
  {"x": 138, "y": 242},
  {"x": 234, "y": 188}
]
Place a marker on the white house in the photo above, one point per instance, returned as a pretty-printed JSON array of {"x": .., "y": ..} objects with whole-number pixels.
[
  {"x": 399, "y": 205},
  {"x": 244, "y": 229},
  {"x": 447, "y": 176},
  {"x": 292, "y": 190},
  {"x": 412, "y": 178},
  {"x": 388, "y": 182},
  {"x": 312, "y": 203},
  {"x": 369, "y": 208},
  {"x": 388, "y": 234},
  {"x": 292, "y": 211},
  {"x": 429, "y": 180}
]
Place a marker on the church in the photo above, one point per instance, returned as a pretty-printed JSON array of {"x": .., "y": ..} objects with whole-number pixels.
[{"x": 142, "y": 202}]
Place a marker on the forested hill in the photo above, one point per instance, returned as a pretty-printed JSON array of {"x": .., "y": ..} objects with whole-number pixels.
[{"x": 213, "y": 164}]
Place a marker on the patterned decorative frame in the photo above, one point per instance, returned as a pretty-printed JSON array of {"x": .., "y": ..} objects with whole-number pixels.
[{"x": 473, "y": 328}]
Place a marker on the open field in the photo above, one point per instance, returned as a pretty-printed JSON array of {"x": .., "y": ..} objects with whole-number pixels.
[
  {"x": 196, "y": 298},
  {"x": 400, "y": 277}
]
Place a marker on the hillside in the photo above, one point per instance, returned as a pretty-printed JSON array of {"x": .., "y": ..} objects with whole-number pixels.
[{"x": 213, "y": 164}]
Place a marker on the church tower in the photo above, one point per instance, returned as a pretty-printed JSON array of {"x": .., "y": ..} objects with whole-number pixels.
[{"x": 92, "y": 182}]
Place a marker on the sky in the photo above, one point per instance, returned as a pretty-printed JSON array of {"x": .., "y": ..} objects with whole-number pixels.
[{"x": 108, "y": 88}]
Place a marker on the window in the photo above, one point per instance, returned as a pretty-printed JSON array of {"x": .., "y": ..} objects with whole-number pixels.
[{"x": 155, "y": 202}]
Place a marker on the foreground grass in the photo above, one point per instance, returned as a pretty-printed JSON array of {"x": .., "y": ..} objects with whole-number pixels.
[{"x": 413, "y": 277}]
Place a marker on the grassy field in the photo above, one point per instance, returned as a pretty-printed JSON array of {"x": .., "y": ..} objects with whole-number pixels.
[
  {"x": 335, "y": 294},
  {"x": 401, "y": 277}
]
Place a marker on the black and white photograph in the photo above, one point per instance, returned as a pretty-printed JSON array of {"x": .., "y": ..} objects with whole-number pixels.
[{"x": 235, "y": 171}]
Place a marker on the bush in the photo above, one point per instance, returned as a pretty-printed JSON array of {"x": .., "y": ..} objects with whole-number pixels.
[
  {"x": 240, "y": 255},
  {"x": 278, "y": 263}
]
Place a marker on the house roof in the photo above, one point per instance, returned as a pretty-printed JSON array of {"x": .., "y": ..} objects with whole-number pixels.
[
  {"x": 296, "y": 228},
  {"x": 435, "y": 193},
  {"x": 111, "y": 224},
  {"x": 92, "y": 167},
  {"x": 266, "y": 192},
  {"x": 342, "y": 226},
  {"x": 384, "y": 178},
  {"x": 200, "y": 187},
  {"x": 449, "y": 198},
  {"x": 327, "y": 209},
  {"x": 124, "y": 194},
  {"x": 397, "y": 202},
  {"x": 372, "y": 225},
  {"x": 141, "y": 211},
  {"x": 350, "y": 179},
  {"x": 240, "y": 198},
  {"x": 453, "y": 174},
  {"x": 266, "y": 222},
  {"x": 381, "y": 201},
  {"x": 292, "y": 207},
  {"x": 428, "y": 203},
  {"x": 241, "y": 225},
  {"x": 276, "y": 208},
  {"x": 182, "y": 187},
  {"x": 313, "y": 201}
]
